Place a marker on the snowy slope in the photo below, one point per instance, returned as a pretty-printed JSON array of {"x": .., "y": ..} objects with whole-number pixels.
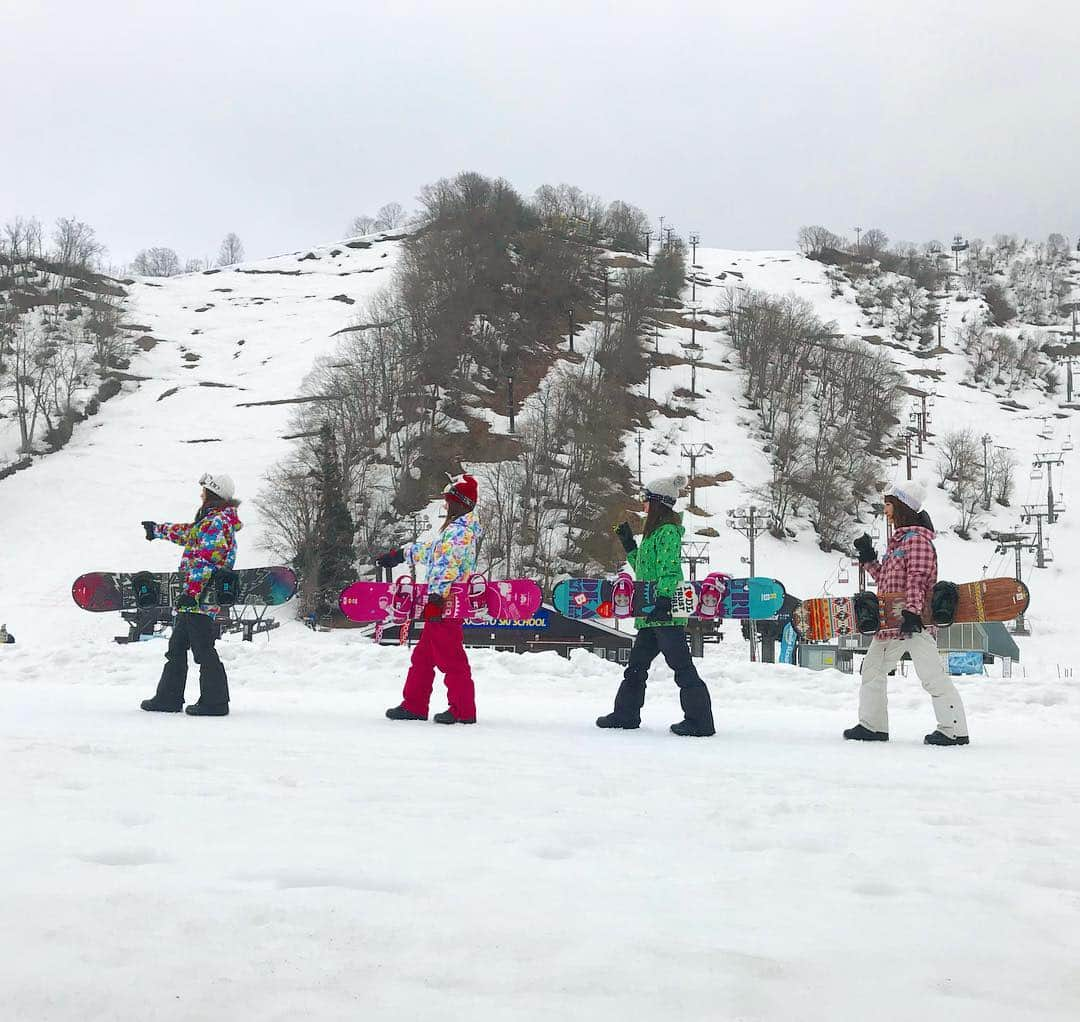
[
  {"x": 308, "y": 858},
  {"x": 723, "y": 421},
  {"x": 256, "y": 331}
]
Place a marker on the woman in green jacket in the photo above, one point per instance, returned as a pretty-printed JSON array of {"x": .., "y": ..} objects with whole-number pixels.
[{"x": 659, "y": 560}]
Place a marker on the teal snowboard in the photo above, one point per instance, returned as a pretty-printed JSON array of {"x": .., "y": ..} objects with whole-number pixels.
[{"x": 740, "y": 598}]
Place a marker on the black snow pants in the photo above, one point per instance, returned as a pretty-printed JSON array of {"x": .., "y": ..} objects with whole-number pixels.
[
  {"x": 197, "y": 632},
  {"x": 693, "y": 695}
]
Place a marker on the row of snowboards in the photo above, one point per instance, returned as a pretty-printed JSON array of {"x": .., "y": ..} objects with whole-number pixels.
[{"x": 477, "y": 599}]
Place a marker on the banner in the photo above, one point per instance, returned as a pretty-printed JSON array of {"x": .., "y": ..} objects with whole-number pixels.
[{"x": 538, "y": 622}]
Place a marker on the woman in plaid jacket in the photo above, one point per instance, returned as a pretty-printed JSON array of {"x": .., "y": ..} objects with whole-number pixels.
[{"x": 909, "y": 566}]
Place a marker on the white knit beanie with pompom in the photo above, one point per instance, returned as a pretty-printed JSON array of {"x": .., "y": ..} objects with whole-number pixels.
[{"x": 666, "y": 489}]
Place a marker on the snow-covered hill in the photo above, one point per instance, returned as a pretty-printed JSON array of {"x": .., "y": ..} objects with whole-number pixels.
[
  {"x": 232, "y": 348},
  {"x": 1028, "y": 423},
  {"x": 307, "y": 858}
]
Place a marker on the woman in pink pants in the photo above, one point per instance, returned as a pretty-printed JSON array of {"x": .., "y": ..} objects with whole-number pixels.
[{"x": 449, "y": 556}]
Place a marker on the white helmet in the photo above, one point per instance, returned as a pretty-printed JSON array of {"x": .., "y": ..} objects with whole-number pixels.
[{"x": 219, "y": 483}]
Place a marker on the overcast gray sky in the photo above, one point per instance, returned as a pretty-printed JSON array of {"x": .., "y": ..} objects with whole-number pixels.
[{"x": 171, "y": 124}]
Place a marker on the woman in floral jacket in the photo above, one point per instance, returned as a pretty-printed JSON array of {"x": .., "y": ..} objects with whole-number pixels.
[
  {"x": 909, "y": 566},
  {"x": 659, "y": 560},
  {"x": 209, "y": 543},
  {"x": 449, "y": 556}
]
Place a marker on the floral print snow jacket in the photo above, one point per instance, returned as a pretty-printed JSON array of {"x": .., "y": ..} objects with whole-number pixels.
[
  {"x": 209, "y": 543},
  {"x": 909, "y": 567},
  {"x": 659, "y": 559},
  {"x": 449, "y": 556}
]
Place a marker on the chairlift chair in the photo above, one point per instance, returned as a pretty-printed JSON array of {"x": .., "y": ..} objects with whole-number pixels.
[{"x": 1037, "y": 472}]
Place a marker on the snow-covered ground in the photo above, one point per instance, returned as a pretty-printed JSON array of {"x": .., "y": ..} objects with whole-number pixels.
[{"x": 307, "y": 858}]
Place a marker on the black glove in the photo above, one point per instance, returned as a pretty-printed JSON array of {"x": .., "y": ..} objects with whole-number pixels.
[
  {"x": 864, "y": 546},
  {"x": 187, "y": 602},
  {"x": 391, "y": 559},
  {"x": 909, "y": 624},
  {"x": 661, "y": 609},
  {"x": 625, "y": 536},
  {"x": 149, "y": 527}
]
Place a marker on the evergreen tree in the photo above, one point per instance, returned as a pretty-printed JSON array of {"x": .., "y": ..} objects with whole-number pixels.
[{"x": 336, "y": 555}]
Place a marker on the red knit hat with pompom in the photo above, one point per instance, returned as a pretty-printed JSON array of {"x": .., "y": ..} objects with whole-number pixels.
[{"x": 462, "y": 490}]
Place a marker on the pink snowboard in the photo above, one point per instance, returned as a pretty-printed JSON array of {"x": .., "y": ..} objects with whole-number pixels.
[{"x": 475, "y": 599}]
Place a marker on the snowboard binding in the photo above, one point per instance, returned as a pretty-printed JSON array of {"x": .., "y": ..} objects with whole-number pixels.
[
  {"x": 476, "y": 598},
  {"x": 944, "y": 599},
  {"x": 867, "y": 613},
  {"x": 145, "y": 589},
  {"x": 226, "y": 587}
]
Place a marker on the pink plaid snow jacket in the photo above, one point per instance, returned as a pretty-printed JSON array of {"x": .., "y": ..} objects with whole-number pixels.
[{"x": 909, "y": 567}]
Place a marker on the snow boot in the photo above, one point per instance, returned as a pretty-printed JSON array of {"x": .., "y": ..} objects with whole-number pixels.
[
  {"x": 400, "y": 713},
  {"x": 937, "y": 738},
  {"x": 613, "y": 720},
  {"x": 859, "y": 733},
  {"x": 156, "y": 705},
  {"x": 207, "y": 710},
  {"x": 447, "y": 717},
  {"x": 689, "y": 729},
  {"x": 697, "y": 711}
]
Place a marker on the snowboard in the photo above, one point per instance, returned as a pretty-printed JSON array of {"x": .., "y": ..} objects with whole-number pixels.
[
  {"x": 714, "y": 597},
  {"x": 99, "y": 591},
  {"x": 474, "y": 599},
  {"x": 990, "y": 599}
]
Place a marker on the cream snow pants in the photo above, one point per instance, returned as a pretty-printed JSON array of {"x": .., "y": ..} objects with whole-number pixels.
[{"x": 882, "y": 657}]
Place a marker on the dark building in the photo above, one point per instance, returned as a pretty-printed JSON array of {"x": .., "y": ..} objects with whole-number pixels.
[{"x": 545, "y": 631}]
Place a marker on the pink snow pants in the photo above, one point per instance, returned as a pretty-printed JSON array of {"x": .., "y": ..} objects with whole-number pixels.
[{"x": 441, "y": 646}]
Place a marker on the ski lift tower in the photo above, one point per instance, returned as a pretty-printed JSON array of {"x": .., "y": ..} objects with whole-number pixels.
[
  {"x": 1049, "y": 460},
  {"x": 958, "y": 246}
]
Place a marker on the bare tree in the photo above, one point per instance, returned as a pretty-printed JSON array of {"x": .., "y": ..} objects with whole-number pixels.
[
  {"x": 625, "y": 226},
  {"x": 156, "y": 262},
  {"x": 21, "y": 240},
  {"x": 816, "y": 239},
  {"x": 196, "y": 265},
  {"x": 76, "y": 245},
  {"x": 1002, "y": 475},
  {"x": 361, "y": 225},
  {"x": 389, "y": 217},
  {"x": 110, "y": 346},
  {"x": 874, "y": 242},
  {"x": 32, "y": 355},
  {"x": 1057, "y": 247},
  {"x": 231, "y": 251}
]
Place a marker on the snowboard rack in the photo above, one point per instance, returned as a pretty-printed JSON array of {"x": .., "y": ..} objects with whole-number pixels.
[
  {"x": 248, "y": 619},
  {"x": 144, "y": 622},
  {"x": 148, "y": 622}
]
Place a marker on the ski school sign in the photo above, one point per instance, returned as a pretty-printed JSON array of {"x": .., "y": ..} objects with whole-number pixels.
[{"x": 539, "y": 621}]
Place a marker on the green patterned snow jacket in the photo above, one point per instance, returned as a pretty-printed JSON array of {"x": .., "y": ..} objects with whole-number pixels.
[{"x": 659, "y": 559}]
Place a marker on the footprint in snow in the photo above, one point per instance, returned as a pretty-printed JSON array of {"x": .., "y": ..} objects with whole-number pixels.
[
  {"x": 124, "y": 857},
  {"x": 876, "y": 889}
]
